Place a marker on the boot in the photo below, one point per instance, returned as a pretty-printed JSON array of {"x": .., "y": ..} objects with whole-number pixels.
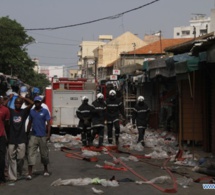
[
  {"x": 117, "y": 141},
  {"x": 110, "y": 140}
]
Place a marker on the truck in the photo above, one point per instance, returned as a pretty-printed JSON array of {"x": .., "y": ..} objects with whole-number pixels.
[{"x": 63, "y": 98}]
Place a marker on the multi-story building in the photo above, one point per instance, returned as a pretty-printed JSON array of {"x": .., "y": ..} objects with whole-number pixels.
[
  {"x": 86, "y": 60},
  {"x": 111, "y": 51},
  {"x": 199, "y": 25},
  {"x": 73, "y": 73}
]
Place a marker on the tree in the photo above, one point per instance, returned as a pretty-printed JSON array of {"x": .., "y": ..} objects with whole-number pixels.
[
  {"x": 14, "y": 59},
  {"x": 39, "y": 80}
]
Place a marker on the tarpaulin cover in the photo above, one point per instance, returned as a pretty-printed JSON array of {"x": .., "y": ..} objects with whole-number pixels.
[
  {"x": 203, "y": 56},
  {"x": 185, "y": 63},
  {"x": 130, "y": 68},
  {"x": 160, "y": 67},
  {"x": 146, "y": 65}
]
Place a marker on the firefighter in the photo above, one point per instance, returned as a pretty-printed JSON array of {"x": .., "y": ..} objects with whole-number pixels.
[
  {"x": 140, "y": 117},
  {"x": 84, "y": 113},
  {"x": 98, "y": 118},
  {"x": 114, "y": 109}
]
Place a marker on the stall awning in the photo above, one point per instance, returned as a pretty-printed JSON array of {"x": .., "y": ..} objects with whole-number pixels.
[
  {"x": 159, "y": 67},
  {"x": 185, "y": 63},
  {"x": 145, "y": 65},
  {"x": 130, "y": 68}
]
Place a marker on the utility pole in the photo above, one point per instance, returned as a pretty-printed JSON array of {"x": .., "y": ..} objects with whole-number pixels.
[
  {"x": 134, "y": 45},
  {"x": 160, "y": 42},
  {"x": 96, "y": 73}
]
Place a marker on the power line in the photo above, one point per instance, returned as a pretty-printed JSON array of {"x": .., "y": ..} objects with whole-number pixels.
[
  {"x": 97, "y": 20},
  {"x": 52, "y": 57},
  {"x": 55, "y": 37},
  {"x": 58, "y": 43}
]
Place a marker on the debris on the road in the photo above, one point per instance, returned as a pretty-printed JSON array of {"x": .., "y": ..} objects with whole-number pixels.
[
  {"x": 88, "y": 153},
  {"x": 85, "y": 181},
  {"x": 161, "y": 179},
  {"x": 65, "y": 139},
  {"x": 109, "y": 167},
  {"x": 97, "y": 191},
  {"x": 109, "y": 163},
  {"x": 185, "y": 182},
  {"x": 72, "y": 182}
]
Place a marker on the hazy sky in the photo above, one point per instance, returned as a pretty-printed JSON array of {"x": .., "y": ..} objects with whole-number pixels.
[{"x": 60, "y": 47}]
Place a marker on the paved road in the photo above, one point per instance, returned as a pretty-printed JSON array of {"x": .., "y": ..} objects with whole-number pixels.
[{"x": 69, "y": 168}]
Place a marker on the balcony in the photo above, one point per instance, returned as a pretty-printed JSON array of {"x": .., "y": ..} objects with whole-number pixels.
[
  {"x": 80, "y": 63},
  {"x": 79, "y": 54}
]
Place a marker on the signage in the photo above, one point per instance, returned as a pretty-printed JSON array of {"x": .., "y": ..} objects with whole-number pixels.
[
  {"x": 73, "y": 98},
  {"x": 116, "y": 72},
  {"x": 113, "y": 77}
]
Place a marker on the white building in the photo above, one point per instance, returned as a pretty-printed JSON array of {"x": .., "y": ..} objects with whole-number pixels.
[
  {"x": 51, "y": 71},
  {"x": 86, "y": 55},
  {"x": 199, "y": 25}
]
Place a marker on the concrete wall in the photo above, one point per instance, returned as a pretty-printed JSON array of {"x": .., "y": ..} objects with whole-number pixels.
[
  {"x": 201, "y": 23},
  {"x": 111, "y": 51},
  {"x": 212, "y": 25}
]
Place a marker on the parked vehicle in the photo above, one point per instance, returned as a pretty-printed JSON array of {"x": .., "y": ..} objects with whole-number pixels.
[{"x": 63, "y": 98}]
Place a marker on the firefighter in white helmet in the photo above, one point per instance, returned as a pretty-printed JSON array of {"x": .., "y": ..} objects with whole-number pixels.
[
  {"x": 140, "y": 117},
  {"x": 115, "y": 107},
  {"x": 84, "y": 113},
  {"x": 98, "y": 118}
]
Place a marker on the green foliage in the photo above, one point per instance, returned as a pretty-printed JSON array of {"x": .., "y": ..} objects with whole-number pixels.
[
  {"x": 39, "y": 80},
  {"x": 14, "y": 59}
]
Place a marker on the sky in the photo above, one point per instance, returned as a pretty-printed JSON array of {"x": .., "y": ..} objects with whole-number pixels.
[{"x": 60, "y": 46}]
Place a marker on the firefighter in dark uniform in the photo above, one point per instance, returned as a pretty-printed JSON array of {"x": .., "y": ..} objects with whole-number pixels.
[
  {"x": 98, "y": 118},
  {"x": 140, "y": 117},
  {"x": 84, "y": 113},
  {"x": 115, "y": 107}
]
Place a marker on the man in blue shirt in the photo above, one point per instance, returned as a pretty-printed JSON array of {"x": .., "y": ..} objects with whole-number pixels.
[{"x": 39, "y": 121}]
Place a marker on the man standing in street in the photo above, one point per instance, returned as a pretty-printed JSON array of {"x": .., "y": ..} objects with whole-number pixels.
[
  {"x": 114, "y": 109},
  {"x": 17, "y": 137},
  {"x": 84, "y": 113},
  {"x": 39, "y": 121},
  {"x": 4, "y": 121},
  {"x": 140, "y": 117},
  {"x": 98, "y": 118}
]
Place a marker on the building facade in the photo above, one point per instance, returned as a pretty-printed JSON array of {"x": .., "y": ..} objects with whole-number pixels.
[
  {"x": 199, "y": 25},
  {"x": 51, "y": 71}
]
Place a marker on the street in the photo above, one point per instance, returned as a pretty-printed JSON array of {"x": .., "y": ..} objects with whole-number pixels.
[{"x": 66, "y": 167}]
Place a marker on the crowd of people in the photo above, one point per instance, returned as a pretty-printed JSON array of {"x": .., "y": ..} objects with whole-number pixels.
[
  {"x": 93, "y": 118},
  {"x": 26, "y": 127},
  {"x": 20, "y": 140}
]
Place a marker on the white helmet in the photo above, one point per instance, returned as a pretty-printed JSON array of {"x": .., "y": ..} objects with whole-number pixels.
[
  {"x": 112, "y": 92},
  {"x": 84, "y": 98},
  {"x": 140, "y": 99},
  {"x": 100, "y": 96}
]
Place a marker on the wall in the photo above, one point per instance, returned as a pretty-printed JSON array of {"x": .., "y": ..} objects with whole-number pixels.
[{"x": 111, "y": 51}]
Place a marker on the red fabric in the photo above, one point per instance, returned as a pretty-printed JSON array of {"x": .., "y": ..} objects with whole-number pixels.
[{"x": 4, "y": 115}]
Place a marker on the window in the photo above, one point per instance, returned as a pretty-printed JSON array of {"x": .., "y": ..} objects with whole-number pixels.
[
  {"x": 203, "y": 31},
  {"x": 185, "y": 32}
]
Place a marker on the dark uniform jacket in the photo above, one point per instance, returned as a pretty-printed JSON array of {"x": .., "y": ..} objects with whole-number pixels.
[
  {"x": 98, "y": 114},
  {"x": 141, "y": 115},
  {"x": 114, "y": 108},
  {"x": 84, "y": 113}
]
